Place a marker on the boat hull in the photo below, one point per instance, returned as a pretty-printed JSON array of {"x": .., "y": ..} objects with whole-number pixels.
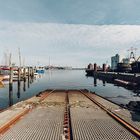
[{"x": 136, "y": 67}]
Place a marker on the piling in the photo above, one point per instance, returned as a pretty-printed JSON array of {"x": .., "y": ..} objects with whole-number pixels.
[
  {"x": 28, "y": 82},
  {"x": 18, "y": 92},
  {"x": 24, "y": 74},
  {"x": 95, "y": 67},
  {"x": 95, "y": 81},
  {"x": 103, "y": 82},
  {"x": 11, "y": 76},
  {"x": 18, "y": 82},
  {"x": 104, "y": 67},
  {"x": 19, "y": 74},
  {"x": 24, "y": 85},
  {"x": 32, "y": 72},
  {"x": 28, "y": 71},
  {"x": 11, "y": 87}
]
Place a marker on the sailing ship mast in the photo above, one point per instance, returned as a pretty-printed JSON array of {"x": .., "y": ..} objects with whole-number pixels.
[{"x": 19, "y": 53}]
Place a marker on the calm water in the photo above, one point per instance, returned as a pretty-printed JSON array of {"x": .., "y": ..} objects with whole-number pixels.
[{"x": 64, "y": 79}]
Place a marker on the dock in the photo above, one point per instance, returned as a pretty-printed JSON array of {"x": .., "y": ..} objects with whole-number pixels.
[
  {"x": 68, "y": 115},
  {"x": 132, "y": 78}
]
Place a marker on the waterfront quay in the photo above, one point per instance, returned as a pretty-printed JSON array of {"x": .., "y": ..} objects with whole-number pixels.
[
  {"x": 126, "y": 77},
  {"x": 68, "y": 115}
]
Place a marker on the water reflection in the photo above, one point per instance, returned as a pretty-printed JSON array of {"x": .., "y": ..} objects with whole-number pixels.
[
  {"x": 18, "y": 88},
  {"x": 104, "y": 82},
  {"x": 28, "y": 82},
  {"x": 95, "y": 82},
  {"x": 66, "y": 79},
  {"x": 10, "y": 94},
  {"x": 135, "y": 89},
  {"x": 24, "y": 85}
]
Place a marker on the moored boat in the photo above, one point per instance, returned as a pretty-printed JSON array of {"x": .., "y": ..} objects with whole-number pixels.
[
  {"x": 40, "y": 70},
  {"x": 136, "y": 67}
]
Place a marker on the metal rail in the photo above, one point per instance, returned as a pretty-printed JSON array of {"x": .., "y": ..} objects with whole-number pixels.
[
  {"x": 15, "y": 119},
  {"x": 127, "y": 125},
  {"x": 67, "y": 131},
  {"x": 46, "y": 95}
]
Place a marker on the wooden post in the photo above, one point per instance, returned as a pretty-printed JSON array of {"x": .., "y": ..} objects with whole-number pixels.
[
  {"x": 95, "y": 81},
  {"x": 18, "y": 92},
  {"x": 32, "y": 72},
  {"x": 11, "y": 76},
  {"x": 11, "y": 87},
  {"x": 95, "y": 67},
  {"x": 103, "y": 82},
  {"x": 19, "y": 74},
  {"x": 29, "y": 71},
  {"x": 28, "y": 81},
  {"x": 24, "y": 85},
  {"x": 24, "y": 74}
]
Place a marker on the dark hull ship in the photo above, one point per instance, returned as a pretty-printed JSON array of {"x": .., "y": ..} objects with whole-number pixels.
[
  {"x": 123, "y": 67},
  {"x": 135, "y": 67}
]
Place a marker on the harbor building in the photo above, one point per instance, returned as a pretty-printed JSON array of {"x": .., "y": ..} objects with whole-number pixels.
[
  {"x": 120, "y": 64},
  {"x": 115, "y": 60}
]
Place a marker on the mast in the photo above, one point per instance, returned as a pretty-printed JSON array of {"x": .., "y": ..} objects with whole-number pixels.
[
  {"x": 6, "y": 60},
  {"x": 19, "y": 57},
  {"x": 10, "y": 62},
  {"x": 49, "y": 62}
]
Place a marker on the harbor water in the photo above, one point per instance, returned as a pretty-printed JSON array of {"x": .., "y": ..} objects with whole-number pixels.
[{"x": 65, "y": 79}]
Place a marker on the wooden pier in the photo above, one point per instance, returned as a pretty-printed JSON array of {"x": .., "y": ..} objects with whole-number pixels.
[{"x": 67, "y": 115}]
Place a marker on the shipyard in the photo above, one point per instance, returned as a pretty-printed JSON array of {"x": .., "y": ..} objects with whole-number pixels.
[{"x": 69, "y": 70}]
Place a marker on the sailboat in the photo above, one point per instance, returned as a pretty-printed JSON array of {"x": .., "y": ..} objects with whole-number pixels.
[{"x": 5, "y": 70}]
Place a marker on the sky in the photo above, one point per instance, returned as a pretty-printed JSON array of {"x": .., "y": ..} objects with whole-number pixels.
[{"x": 68, "y": 32}]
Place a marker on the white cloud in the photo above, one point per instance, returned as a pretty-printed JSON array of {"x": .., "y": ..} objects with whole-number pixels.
[{"x": 67, "y": 44}]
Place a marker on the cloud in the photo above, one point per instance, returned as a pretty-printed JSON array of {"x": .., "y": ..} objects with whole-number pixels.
[
  {"x": 71, "y": 11},
  {"x": 65, "y": 44}
]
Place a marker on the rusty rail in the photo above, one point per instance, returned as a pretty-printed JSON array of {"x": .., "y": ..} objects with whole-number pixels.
[
  {"x": 67, "y": 131},
  {"x": 127, "y": 125},
  {"x": 15, "y": 119}
]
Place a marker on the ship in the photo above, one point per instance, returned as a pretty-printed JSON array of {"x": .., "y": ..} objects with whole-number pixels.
[
  {"x": 135, "y": 67},
  {"x": 40, "y": 70},
  {"x": 124, "y": 67}
]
